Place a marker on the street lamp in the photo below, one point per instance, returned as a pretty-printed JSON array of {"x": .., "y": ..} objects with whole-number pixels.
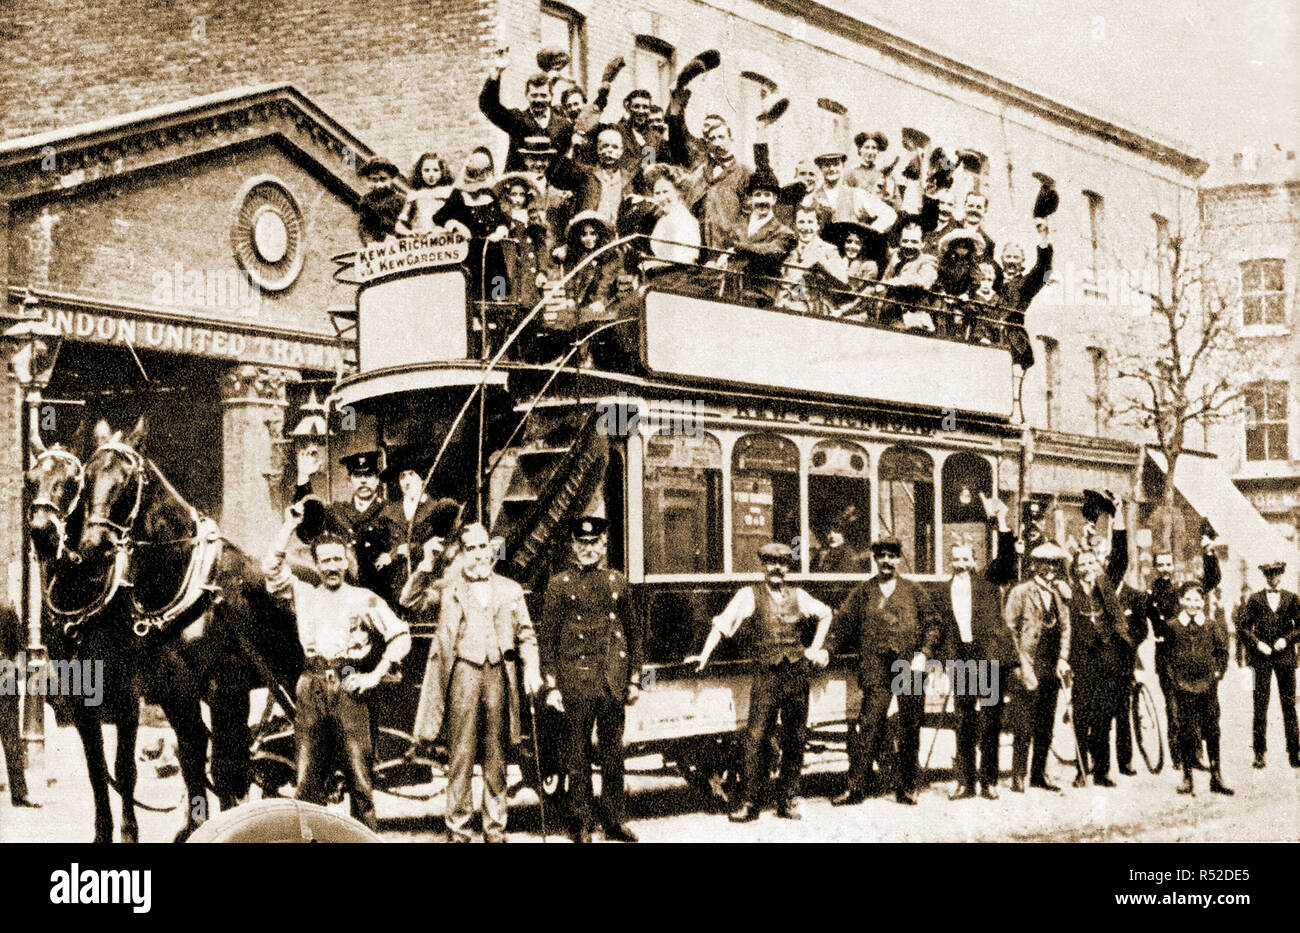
[{"x": 36, "y": 345}]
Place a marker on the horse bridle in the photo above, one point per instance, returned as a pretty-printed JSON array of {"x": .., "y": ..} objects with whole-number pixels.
[
  {"x": 137, "y": 463},
  {"x": 60, "y": 514}
]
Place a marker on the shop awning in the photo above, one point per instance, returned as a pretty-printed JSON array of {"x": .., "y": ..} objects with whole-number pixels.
[{"x": 1209, "y": 490}]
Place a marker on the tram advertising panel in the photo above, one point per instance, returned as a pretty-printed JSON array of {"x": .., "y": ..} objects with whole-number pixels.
[
  {"x": 417, "y": 318},
  {"x": 764, "y": 497}
]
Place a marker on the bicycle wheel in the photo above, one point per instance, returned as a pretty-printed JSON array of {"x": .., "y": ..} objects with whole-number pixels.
[{"x": 1146, "y": 729}]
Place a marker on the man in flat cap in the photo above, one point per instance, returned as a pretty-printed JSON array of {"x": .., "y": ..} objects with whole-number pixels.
[
  {"x": 895, "y": 629},
  {"x": 1038, "y": 614},
  {"x": 781, "y": 681},
  {"x": 1270, "y": 628},
  {"x": 382, "y": 204},
  {"x": 591, "y": 638}
]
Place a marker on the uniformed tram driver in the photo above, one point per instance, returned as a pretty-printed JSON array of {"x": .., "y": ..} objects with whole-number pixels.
[
  {"x": 781, "y": 680},
  {"x": 591, "y": 637}
]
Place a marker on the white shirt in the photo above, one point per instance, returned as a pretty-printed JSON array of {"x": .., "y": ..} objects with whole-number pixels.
[
  {"x": 1274, "y": 599},
  {"x": 961, "y": 605},
  {"x": 677, "y": 236},
  {"x": 742, "y": 607}
]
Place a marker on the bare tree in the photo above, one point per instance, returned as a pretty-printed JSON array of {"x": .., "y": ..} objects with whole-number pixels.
[{"x": 1181, "y": 356}]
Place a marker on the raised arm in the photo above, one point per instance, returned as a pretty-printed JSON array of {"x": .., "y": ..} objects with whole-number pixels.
[{"x": 725, "y": 624}]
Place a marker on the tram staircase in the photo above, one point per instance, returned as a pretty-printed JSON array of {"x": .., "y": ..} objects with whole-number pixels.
[{"x": 542, "y": 485}]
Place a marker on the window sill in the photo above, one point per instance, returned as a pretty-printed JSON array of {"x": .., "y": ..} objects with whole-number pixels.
[{"x": 1256, "y": 331}]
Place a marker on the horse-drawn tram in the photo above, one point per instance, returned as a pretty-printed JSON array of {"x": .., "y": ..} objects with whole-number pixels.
[{"x": 701, "y": 424}]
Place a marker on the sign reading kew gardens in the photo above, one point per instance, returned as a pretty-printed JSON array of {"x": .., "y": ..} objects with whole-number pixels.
[{"x": 444, "y": 247}]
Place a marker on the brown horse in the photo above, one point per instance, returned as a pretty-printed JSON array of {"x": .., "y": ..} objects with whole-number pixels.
[
  {"x": 86, "y": 618},
  {"x": 205, "y": 628}
]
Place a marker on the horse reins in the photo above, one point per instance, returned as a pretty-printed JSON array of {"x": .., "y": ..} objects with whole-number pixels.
[{"x": 60, "y": 514}]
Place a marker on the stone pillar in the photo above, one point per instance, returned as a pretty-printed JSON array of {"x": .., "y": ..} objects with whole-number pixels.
[
  {"x": 252, "y": 422},
  {"x": 11, "y": 485}
]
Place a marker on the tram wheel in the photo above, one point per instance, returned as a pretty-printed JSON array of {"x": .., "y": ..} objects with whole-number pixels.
[{"x": 1146, "y": 729}]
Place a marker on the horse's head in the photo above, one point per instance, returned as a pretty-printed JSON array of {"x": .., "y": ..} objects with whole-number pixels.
[
  {"x": 56, "y": 480},
  {"x": 115, "y": 477}
]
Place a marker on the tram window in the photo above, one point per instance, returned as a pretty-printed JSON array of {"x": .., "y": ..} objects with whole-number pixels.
[
  {"x": 764, "y": 497},
  {"x": 906, "y": 504},
  {"x": 839, "y": 508},
  {"x": 614, "y": 510},
  {"x": 966, "y": 477},
  {"x": 682, "y": 504}
]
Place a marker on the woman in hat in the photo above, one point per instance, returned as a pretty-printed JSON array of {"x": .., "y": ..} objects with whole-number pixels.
[
  {"x": 864, "y": 256},
  {"x": 676, "y": 234},
  {"x": 474, "y": 205},
  {"x": 430, "y": 187},
  {"x": 594, "y": 287},
  {"x": 527, "y": 241}
]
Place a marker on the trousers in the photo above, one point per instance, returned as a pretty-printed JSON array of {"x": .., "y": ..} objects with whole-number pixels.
[
  {"x": 606, "y": 715},
  {"x": 1264, "y": 674},
  {"x": 1198, "y": 719},
  {"x": 476, "y": 708},
  {"x": 1034, "y": 718},
  {"x": 329, "y": 718},
  {"x": 978, "y": 725},
  {"x": 12, "y": 742},
  {"x": 776, "y": 691},
  {"x": 867, "y": 735},
  {"x": 1100, "y": 692}
]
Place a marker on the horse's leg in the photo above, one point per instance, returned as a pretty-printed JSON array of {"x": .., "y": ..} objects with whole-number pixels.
[
  {"x": 128, "y": 725},
  {"x": 92, "y": 742},
  {"x": 232, "y": 740},
  {"x": 192, "y": 749}
]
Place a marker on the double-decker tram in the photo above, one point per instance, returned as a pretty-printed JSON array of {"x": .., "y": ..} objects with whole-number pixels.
[{"x": 701, "y": 425}]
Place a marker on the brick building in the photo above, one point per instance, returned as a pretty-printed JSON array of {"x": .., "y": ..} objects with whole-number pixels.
[{"x": 89, "y": 235}]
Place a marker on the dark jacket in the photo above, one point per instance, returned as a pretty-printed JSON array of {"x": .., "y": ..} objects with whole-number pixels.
[
  {"x": 11, "y": 632},
  {"x": 520, "y": 124},
  {"x": 1018, "y": 291},
  {"x": 1197, "y": 654},
  {"x": 1260, "y": 623},
  {"x": 1162, "y": 602},
  {"x": 880, "y": 628},
  {"x": 990, "y": 638},
  {"x": 591, "y": 634}
]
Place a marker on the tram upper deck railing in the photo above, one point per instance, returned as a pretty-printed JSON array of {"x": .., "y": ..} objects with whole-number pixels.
[{"x": 716, "y": 322}]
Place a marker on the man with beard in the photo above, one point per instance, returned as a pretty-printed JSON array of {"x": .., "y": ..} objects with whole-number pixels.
[
  {"x": 471, "y": 683},
  {"x": 895, "y": 630},
  {"x": 341, "y": 628},
  {"x": 540, "y": 119},
  {"x": 1100, "y": 648},
  {"x": 591, "y": 639},
  {"x": 1270, "y": 628},
  {"x": 975, "y": 635},
  {"x": 601, "y": 186},
  {"x": 382, "y": 204},
  {"x": 1038, "y": 614},
  {"x": 781, "y": 681},
  {"x": 1160, "y": 610},
  {"x": 1196, "y": 658}
]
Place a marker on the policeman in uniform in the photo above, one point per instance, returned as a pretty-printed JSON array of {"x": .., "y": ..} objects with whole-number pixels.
[
  {"x": 591, "y": 641},
  {"x": 781, "y": 683},
  {"x": 373, "y": 533},
  {"x": 341, "y": 627}
]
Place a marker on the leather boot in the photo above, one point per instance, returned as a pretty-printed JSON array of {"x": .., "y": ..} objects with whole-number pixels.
[
  {"x": 1186, "y": 786},
  {"x": 1216, "y": 780}
]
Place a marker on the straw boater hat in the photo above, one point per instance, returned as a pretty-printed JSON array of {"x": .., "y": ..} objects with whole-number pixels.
[
  {"x": 957, "y": 236},
  {"x": 509, "y": 179}
]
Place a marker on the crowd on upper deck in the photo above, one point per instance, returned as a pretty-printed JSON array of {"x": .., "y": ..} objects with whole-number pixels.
[{"x": 892, "y": 237}]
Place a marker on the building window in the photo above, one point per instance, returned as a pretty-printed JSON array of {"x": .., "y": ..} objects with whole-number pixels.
[
  {"x": 1052, "y": 380},
  {"x": 1096, "y": 205},
  {"x": 907, "y": 504},
  {"x": 764, "y": 497},
  {"x": 1266, "y": 421},
  {"x": 965, "y": 478},
  {"x": 1162, "y": 256},
  {"x": 683, "y": 504},
  {"x": 654, "y": 65},
  {"x": 833, "y": 118},
  {"x": 1262, "y": 292},
  {"x": 839, "y": 507},
  {"x": 756, "y": 91},
  {"x": 565, "y": 28},
  {"x": 1098, "y": 398}
]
